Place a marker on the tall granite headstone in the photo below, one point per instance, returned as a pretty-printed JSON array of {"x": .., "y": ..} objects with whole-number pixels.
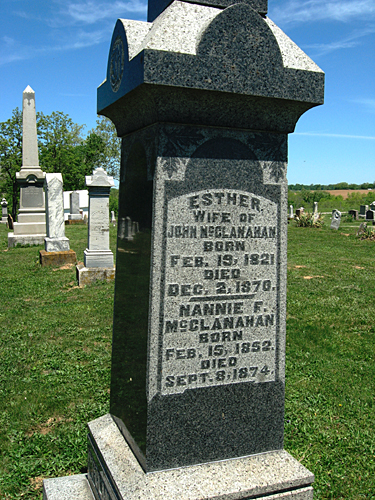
[
  {"x": 30, "y": 228},
  {"x": 204, "y": 96},
  {"x": 291, "y": 212},
  {"x": 4, "y": 211},
  {"x": 56, "y": 244},
  {"x": 98, "y": 258}
]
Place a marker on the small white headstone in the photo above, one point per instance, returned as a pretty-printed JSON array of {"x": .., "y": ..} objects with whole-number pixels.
[
  {"x": 336, "y": 219},
  {"x": 98, "y": 253}
]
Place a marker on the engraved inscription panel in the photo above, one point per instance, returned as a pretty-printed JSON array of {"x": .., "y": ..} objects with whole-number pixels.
[
  {"x": 32, "y": 196},
  {"x": 219, "y": 310}
]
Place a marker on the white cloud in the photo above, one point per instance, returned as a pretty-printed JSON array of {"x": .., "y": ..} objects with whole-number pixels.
[
  {"x": 339, "y": 136},
  {"x": 296, "y": 11},
  {"x": 90, "y": 11},
  {"x": 8, "y": 40},
  {"x": 352, "y": 40},
  {"x": 369, "y": 104},
  {"x": 76, "y": 40}
]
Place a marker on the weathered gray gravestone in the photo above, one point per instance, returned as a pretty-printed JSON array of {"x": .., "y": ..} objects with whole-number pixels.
[
  {"x": 4, "y": 211},
  {"x": 299, "y": 212},
  {"x": 31, "y": 226},
  {"x": 113, "y": 218},
  {"x": 203, "y": 97},
  {"x": 56, "y": 244},
  {"x": 291, "y": 212},
  {"x": 354, "y": 214},
  {"x": 128, "y": 229},
  {"x": 98, "y": 258},
  {"x": 121, "y": 228},
  {"x": 74, "y": 206},
  {"x": 315, "y": 207},
  {"x": 336, "y": 219}
]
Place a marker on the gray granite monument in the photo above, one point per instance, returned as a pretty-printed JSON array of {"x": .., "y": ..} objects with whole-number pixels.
[
  {"x": 30, "y": 228},
  {"x": 98, "y": 258},
  {"x": 4, "y": 211},
  {"x": 204, "y": 96},
  {"x": 56, "y": 244},
  {"x": 291, "y": 212},
  {"x": 354, "y": 214},
  {"x": 336, "y": 219},
  {"x": 315, "y": 210}
]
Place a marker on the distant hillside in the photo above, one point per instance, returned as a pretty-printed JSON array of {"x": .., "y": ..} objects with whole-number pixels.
[{"x": 346, "y": 193}]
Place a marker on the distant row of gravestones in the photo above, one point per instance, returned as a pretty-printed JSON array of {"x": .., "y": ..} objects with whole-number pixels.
[
  {"x": 365, "y": 211},
  {"x": 98, "y": 258}
]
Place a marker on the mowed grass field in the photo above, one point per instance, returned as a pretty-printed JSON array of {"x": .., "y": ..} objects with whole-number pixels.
[{"x": 55, "y": 354}]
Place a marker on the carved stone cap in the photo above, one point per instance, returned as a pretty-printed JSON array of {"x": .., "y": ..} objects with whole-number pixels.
[
  {"x": 156, "y": 7},
  {"x": 100, "y": 178},
  {"x": 197, "y": 64}
]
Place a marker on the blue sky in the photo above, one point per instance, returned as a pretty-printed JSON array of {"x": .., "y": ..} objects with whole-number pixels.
[{"x": 60, "y": 48}]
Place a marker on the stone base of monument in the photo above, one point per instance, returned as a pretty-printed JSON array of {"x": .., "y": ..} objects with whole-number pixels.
[
  {"x": 69, "y": 488},
  {"x": 60, "y": 244},
  {"x": 87, "y": 275},
  {"x": 25, "y": 239},
  {"x": 115, "y": 473},
  {"x": 28, "y": 228},
  {"x": 57, "y": 258},
  {"x": 98, "y": 258},
  {"x": 74, "y": 217}
]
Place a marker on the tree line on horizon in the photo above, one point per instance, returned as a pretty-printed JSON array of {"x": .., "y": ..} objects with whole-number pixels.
[
  {"x": 62, "y": 147},
  {"x": 330, "y": 187}
]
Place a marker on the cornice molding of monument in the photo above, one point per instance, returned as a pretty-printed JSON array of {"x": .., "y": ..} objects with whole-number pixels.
[{"x": 30, "y": 175}]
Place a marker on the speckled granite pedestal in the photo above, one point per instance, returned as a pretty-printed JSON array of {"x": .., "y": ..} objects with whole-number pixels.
[
  {"x": 115, "y": 473},
  {"x": 203, "y": 97}
]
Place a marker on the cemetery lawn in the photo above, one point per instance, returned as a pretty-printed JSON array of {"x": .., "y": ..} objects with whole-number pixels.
[{"x": 55, "y": 363}]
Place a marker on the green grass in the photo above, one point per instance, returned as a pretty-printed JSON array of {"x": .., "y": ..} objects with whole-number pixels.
[
  {"x": 55, "y": 363},
  {"x": 330, "y": 376}
]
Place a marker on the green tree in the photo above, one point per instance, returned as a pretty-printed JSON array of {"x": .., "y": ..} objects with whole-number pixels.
[
  {"x": 112, "y": 146},
  {"x": 113, "y": 200},
  {"x": 61, "y": 149},
  {"x": 11, "y": 158}
]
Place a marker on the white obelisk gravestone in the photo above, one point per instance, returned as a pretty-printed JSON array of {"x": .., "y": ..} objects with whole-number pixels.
[{"x": 31, "y": 226}]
